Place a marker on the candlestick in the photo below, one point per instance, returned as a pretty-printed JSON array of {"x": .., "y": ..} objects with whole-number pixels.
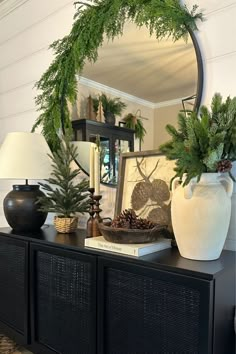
[
  {"x": 97, "y": 216},
  {"x": 94, "y": 220},
  {"x": 97, "y": 209},
  {"x": 97, "y": 171},
  {"x": 91, "y": 167},
  {"x": 91, "y": 220}
]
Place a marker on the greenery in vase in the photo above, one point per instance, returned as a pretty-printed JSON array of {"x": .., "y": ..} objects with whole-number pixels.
[
  {"x": 133, "y": 122},
  {"x": 112, "y": 105},
  {"x": 95, "y": 20},
  {"x": 206, "y": 143},
  {"x": 63, "y": 195}
]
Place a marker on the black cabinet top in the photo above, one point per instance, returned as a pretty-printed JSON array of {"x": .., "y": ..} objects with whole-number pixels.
[
  {"x": 168, "y": 260},
  {"x": 82, "y": 123}
]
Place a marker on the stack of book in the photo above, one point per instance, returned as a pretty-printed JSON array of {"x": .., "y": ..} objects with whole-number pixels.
[{"x": 136, "y": 250}]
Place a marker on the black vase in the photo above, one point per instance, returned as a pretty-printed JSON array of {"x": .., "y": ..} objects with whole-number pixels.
[
  {"x": 21, "y": 210},
  {"x": 110, "y": 118}
]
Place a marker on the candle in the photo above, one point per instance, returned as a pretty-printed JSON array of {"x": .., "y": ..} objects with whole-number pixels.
[
  {"x": 91, "y": 167},
  {"x": 97, "y": 171}
]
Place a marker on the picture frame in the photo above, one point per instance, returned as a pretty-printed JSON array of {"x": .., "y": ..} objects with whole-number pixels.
[{"x": 144, "y": 185}]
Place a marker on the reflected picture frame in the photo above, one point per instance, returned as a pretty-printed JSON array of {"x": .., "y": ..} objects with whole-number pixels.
[{"x": 144, "y": 185}]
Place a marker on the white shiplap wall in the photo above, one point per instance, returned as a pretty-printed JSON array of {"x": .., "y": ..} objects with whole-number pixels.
[
  {"x": 27, "y": 27},
  {"x": 25, "y": 35}
]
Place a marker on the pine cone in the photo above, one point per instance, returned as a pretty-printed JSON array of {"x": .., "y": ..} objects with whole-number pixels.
[
  {"x": 129, "y": 215},
  {"x": 129, "y": 220},
  {"x": 160, "y": 191},
  {"x": 159, "y": 216},
  {"x": 120, "y": 223},
  {"x": 224, "y": 166},
  {"x": 143, "y": 224},
  {"x": 124, "y": 219},
  {"x": 140, "y": 195}
]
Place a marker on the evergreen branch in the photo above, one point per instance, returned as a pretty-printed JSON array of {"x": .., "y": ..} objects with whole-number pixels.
[{"x": 202, "y": 144}]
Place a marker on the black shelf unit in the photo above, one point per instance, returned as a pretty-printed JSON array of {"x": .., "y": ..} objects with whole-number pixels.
[
  {"x": 111, "y": 138},
  {"x": 80, "y": 300}
]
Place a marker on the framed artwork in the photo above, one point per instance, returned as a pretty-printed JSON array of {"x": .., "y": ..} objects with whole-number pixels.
[{"x": 144, "y": 185}]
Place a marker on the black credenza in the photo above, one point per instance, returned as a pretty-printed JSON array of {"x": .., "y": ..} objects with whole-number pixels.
[{"x": 59, "y": 297}]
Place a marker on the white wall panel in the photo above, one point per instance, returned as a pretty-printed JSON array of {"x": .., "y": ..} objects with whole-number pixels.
[
  {"x": 17, "y": 101},
  {"x": 21, "y": 122},
  {"x": 24, "y": 71},
  {"x": 4, "y": 185},
  {"x": 221, "y": 72},
  {"x": 219, "y": 38},
  {"x": 32, "y": 12},
  {"x": 35, "y": 38},
  {"x": 25, "y": 35},
  {"x": 208, "y": 6}
]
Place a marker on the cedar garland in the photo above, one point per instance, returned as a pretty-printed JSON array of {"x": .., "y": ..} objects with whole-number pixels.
[{"x": 92, "y": 22}]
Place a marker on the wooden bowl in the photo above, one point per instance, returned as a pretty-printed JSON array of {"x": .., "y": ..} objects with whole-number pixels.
[{"x": 120, "y": 235}]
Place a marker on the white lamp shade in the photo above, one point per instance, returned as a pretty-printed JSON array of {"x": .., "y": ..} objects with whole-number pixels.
[
  {"x": 83, "y": 149},
  {"x": 25, "y": 156}
]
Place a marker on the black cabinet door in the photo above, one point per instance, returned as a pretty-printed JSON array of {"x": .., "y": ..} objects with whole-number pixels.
[
  {"x": 63, "y": 301},
  {"x": 14, "y": 288},
  {"x": 144, "y": 310}
]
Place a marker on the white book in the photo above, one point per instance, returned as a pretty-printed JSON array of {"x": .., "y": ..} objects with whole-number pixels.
[{"x": 137, "y": 249}]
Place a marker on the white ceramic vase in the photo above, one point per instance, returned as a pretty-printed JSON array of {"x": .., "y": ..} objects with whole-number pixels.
[{"x": 200, "y": 215}]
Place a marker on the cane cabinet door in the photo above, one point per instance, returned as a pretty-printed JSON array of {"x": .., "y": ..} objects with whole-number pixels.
[
  {"x": 14, "y": 288},
  {"x": 150, "y": 311},
  {"x": 63, "y": 300}
]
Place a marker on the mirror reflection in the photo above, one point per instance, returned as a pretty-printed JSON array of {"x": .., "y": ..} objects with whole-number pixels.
[{"x": 153, "y": 80}]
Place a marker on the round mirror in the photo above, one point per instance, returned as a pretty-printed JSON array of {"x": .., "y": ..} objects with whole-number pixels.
[{"x": 154, "y": 79}]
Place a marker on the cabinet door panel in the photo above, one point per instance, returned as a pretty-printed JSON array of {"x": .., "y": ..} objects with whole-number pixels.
[
  {"x": 13, "y": 283},
  {"x": 152, "y": 311},
  {"x": 64, "y": 300}
]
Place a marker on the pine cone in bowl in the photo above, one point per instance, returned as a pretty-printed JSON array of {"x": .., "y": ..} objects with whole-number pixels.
[{"x": 127, "y": 227}]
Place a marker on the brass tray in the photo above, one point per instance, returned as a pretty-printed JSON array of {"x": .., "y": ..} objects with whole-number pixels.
[{"x": 119, "y": 235}]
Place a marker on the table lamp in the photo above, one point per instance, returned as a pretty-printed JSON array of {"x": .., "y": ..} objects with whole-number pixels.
[{"x": 24, "y": 156}]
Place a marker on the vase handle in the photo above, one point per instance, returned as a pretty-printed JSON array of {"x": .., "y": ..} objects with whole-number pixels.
[
  {"x": 188, "y": 190},
  {"x": 227, "y": 183},
  {"x": 175, "y": 183}
]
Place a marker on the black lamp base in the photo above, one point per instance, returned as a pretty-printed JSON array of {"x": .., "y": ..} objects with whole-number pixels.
[{"x": 21, "y": 210}]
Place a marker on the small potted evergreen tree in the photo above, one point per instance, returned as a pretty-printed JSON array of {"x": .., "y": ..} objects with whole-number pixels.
[{"x": 64, "y": 196}]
